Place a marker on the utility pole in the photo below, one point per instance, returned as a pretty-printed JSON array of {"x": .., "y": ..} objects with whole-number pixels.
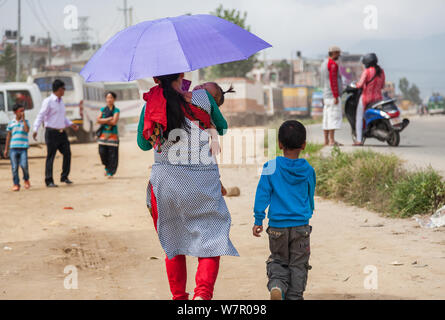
[
  {"x": 130, "y": 14},
  {"x": 126, "y": 12},
  {"x": 19, "y": 35},
  {"x": 291, "y": 67},
  {"x": 49, "y": 49}
]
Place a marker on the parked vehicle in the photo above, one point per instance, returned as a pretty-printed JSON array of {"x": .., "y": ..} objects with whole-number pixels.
[
  {"x": 73, "y": 97},
  {"x": 436, "y": 104},
  {"x": 317, "y": 104},
  {"x": 382, "y": 119},
  {"x": 128, "y": 100},
  {"x": 84, "y": 100},
  {"x": 297, "y": 100},
  {"x": 26, "y": 94}
]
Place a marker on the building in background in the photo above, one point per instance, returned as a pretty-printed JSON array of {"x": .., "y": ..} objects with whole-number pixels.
[{"x": 351, "y": 67}]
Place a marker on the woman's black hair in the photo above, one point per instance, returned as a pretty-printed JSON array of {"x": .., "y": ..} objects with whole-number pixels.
[
  {"x": 230, "y": 90},
  {"x": 378, "y": 69},
  {"x": 175, "y": 104},
  {"x": 112, "y": 94}
]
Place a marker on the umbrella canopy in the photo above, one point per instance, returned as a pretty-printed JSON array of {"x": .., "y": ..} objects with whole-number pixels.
[{"x": 170, "y": 45}]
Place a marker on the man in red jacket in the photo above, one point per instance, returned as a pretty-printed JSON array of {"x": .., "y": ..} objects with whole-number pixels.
[{"x": 332, "y": 87}]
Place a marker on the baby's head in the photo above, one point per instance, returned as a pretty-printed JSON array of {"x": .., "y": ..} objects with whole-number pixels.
[{"x": 215, "y": 91}]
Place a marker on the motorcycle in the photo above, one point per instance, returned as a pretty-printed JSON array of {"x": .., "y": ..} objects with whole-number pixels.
[{"x": 381, "y": 119}]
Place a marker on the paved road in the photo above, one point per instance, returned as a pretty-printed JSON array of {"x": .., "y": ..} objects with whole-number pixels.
[{"x": 422, "y": 143}]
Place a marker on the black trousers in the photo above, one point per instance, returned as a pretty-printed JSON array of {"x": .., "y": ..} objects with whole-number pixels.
[
  {"x": 56, "y": 140},
  {"x": 109, "y": 155}
]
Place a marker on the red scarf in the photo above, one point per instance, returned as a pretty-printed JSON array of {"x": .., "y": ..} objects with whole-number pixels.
[{"x": 156, "y": 112}]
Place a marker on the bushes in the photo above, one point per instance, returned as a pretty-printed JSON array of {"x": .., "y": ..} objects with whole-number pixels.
[
  {"x": 378, "y": 182},
  {"x": 418, "y": 192}
]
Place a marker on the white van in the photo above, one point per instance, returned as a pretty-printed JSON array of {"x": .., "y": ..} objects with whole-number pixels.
[{"x": 27, "y": 95}]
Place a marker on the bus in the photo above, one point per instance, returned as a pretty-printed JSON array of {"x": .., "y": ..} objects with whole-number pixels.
[
  {"x": 297, "y": 100},
  {"x": 436, "y": 104},
  {"x": 73, "y": 97},
  {"x": 83, "y": 100},
  {"x": 128, "y": 100}
]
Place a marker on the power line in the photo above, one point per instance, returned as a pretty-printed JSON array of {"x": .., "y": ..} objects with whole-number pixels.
[
  {"x": 36, "y": 15},
  {"x": 45, "y": 17},
  {"x": 3, "y": 3}
]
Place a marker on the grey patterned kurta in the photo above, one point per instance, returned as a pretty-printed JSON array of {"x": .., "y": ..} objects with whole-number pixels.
[{"x": 193, "y": 218}]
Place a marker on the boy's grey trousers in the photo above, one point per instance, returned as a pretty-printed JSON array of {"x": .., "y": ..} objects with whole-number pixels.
[{"x": 288, "y": 263}]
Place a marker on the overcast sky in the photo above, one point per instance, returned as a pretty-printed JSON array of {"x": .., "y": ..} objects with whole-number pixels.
[{"x": 310, "y": 26}]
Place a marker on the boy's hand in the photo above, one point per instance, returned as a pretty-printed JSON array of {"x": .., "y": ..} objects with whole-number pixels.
[
  {"x": 5, "y": 153},
  {"x": 257, "y": 230}
]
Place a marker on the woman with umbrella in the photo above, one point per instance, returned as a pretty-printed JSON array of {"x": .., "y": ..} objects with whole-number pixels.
[{"x": 184, "y": 192}]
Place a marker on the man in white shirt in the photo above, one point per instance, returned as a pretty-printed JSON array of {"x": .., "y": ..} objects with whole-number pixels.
[{"x": 52, "y": 115}]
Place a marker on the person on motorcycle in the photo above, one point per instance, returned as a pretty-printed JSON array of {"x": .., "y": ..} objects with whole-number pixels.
[{"x": 372, "y": 81}]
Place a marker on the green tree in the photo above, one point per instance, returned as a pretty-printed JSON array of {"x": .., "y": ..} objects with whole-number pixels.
[
  {"x": 283, "y": 69},
  {"x": 411, "y": 93},
  {"x": 414, "y": 94},
  {"x": 7, "y": 61},
  {"x": 237, "y": 68}
]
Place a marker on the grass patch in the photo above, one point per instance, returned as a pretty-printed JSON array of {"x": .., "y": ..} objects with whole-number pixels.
[
  {"x": 311, "y": 148},
  {"x": 377, "y": 182}
]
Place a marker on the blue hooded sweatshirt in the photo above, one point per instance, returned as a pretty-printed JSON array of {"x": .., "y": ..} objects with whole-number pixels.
[{"x": 287, "y": 187}]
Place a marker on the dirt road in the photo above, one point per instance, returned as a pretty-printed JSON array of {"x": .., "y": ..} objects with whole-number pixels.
[{"x": 110, "y": 238}]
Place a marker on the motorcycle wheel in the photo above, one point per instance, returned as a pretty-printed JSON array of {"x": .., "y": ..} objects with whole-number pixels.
[{"x": 394, "y": 139}]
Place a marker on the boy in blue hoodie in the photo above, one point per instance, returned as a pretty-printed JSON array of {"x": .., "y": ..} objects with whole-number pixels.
[{"x": 287, "y": 187}]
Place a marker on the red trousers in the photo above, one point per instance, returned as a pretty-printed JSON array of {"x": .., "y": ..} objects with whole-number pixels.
[{"x": 206, "y": 273}]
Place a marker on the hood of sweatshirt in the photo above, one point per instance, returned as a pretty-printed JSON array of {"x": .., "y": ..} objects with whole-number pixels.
[{"x": 293, "y": 171}]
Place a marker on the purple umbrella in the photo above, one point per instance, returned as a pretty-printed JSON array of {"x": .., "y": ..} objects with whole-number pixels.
[{"x": 170, "y": 45}]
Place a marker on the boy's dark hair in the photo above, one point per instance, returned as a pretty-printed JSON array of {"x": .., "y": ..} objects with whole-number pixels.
[
  {"x": 16, "y": 107},
  {"x": 112, "y": 94},
  {"x": 57, "y": 84},
  {"x": 292, "y": 134}
]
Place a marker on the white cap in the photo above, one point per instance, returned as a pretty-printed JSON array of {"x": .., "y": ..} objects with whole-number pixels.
[{"x": 334, "y": 49}]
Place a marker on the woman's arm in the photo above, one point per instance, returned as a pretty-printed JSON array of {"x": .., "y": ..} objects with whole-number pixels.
[
  {"x": 104, "y": 120},
  {"x": 143, "y": 144},
  {"x": 113, "y": 121},
  {"x": 363, "y": 78}
]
